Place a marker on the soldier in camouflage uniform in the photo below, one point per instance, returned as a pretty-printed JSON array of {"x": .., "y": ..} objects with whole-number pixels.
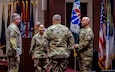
[
  {"x": 60, "y": 41},
  {"x": 39, "y": 50},
  {"x": 14, "y": 44},
  {"x": 85, "y": 46}
]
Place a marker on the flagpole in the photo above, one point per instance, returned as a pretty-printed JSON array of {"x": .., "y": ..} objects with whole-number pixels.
[
  {"x": 36, "y": 16},
  {"x": 75, "y": 60},
  {"x": 6, "y": 12},
  {"x": 43, "y": 7},
  {"x": 44, "y": 4},
  {"x": 11, "y": 9},
  {"x": 75, "y": 64},
  {"x": 6, "y": 18},
  {"x": 75, "y": 26},
  {"x": 34, "y": 9},
  {"x": 1, "y": 7},
  {"x": 26, "y": 19}
]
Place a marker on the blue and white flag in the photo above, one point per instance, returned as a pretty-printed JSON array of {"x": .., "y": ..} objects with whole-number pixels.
[{"x": 75, "y": 19}]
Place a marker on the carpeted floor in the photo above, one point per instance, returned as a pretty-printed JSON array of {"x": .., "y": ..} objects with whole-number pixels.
[
  {"x": 4, "y": 64},
  {"x": 69, "y": 69}
]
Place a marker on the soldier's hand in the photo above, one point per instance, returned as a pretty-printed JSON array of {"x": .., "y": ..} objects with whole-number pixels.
[
  {"x": 33, "y": 57},
  {"x": 16, "y": 56},
  {"x": 46, "y": 55},
  {"x": 75, "y": 45}
]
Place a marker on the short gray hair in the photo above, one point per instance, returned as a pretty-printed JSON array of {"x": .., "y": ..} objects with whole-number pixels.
[
  {"x": 14, "y": 16},
  {"x": 37, "y": 23},
  {"x": 57, "y": 16}
]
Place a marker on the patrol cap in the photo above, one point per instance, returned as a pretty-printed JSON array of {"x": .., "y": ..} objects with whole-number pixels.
[{"x": 57, "y": 16}]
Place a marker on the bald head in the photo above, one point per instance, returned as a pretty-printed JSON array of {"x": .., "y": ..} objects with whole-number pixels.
[
  {"x": 86, "y": 18},
  {"x": 56, "y": 19},
  {"x": 85, "y": 21}
]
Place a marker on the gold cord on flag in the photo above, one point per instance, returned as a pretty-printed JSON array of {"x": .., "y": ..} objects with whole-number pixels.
[
  {"x": 75, "y": 54},
  {"x": 2, "y": 46}
]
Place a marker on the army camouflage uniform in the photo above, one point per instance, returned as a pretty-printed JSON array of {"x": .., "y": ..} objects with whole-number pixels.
[
  {"x": 39, "y": 52},
  {"x": 85, "y": 49},
  {"x": 14, "y": 41},
  {"x": 60, "y": 41}
]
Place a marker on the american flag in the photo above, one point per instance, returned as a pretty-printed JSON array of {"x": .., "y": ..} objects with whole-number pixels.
[
  {"x": 106, "y": 37},
  {"x": 102, "y": 42}
]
